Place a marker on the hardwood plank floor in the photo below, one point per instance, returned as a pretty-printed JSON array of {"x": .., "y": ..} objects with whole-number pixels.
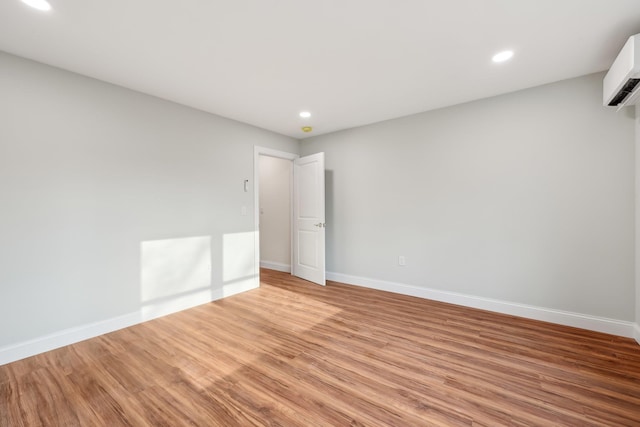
[{"x": 296, "y": 354}]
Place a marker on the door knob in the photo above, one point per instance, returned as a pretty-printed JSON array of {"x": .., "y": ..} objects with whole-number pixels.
[{"x": 320, "y": 224}]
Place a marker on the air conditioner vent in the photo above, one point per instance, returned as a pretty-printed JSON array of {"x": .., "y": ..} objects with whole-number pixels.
[{"x": 626, "y": 90}]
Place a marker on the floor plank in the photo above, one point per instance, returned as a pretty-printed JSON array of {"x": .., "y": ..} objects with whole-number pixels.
[{"x": 296, "y": 354}]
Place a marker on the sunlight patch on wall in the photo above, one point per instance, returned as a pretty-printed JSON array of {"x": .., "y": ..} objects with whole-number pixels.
[
  {"x": 238, "y": 260},
  {"x": 174, "y": 274}
]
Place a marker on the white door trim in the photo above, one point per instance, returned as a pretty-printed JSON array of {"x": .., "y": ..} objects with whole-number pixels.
[{"x": 257, "y": 152}]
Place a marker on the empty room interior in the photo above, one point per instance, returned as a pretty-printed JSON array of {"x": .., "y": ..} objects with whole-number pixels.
[{"x": 335, "y": 213}]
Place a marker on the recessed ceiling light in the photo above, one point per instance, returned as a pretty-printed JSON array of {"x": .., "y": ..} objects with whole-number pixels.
[
  {"x": 307, "y": 128},
  {"x": 305, "y": 114},
  {"x": 38, "y": 4},
  {"x": 502, "y": 56}
]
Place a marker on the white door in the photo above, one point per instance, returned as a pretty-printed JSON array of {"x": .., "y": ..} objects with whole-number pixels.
[{"x": 308, "y": 218}]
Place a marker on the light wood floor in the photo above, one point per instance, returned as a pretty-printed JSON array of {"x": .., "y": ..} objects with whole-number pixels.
[{"x": 296, "y": 354}]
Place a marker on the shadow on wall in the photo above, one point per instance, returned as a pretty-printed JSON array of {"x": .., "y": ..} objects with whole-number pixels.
[
  {"x": 176, "y": 274},
  {"x": 329, "y": 219}
]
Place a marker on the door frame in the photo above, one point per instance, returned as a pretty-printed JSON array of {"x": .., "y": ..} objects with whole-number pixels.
[{"x": 269, "y": 152}]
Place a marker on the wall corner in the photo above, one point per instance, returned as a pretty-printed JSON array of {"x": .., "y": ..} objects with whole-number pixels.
[{"x": 637, "y": 222}]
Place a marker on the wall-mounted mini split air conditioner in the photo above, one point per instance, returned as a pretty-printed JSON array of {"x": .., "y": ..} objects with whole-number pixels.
[{"x": 621, "y": 85}]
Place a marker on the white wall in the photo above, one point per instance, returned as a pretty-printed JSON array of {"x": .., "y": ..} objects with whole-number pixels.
[
  {"x": 637, "y": 234},
  {"x": 275, "y": 211},
  {"x": 114, "y": 202},
  {"x": 526, "y": 198}
]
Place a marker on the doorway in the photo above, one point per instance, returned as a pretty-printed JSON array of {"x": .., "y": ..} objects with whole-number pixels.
[
  {"x": 306, "y": 213},
  {"x": 275, "y": 185},
  {"x": 260, "y": 153}
]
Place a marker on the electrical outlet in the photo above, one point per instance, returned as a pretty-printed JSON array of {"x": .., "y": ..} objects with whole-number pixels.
[{"x": 402, "y": 261}]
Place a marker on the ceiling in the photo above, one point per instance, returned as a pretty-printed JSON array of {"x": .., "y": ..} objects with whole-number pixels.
[{"x": 348, "y": 62}]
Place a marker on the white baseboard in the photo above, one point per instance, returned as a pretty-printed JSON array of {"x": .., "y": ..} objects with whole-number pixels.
[
  {"x": 39, "y": 345},
  {"x": 278, "y": 266},
  {"x": 70, "y": 336},
  {"x": 584, "y": 321}
]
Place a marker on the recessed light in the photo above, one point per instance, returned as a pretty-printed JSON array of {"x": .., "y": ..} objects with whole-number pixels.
[
  {"x": 305, "y": 114},
  {"x": 38, "y": 4},
  {"x": 502, "y": 56},
  {"x": 307, "y": 128}
]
